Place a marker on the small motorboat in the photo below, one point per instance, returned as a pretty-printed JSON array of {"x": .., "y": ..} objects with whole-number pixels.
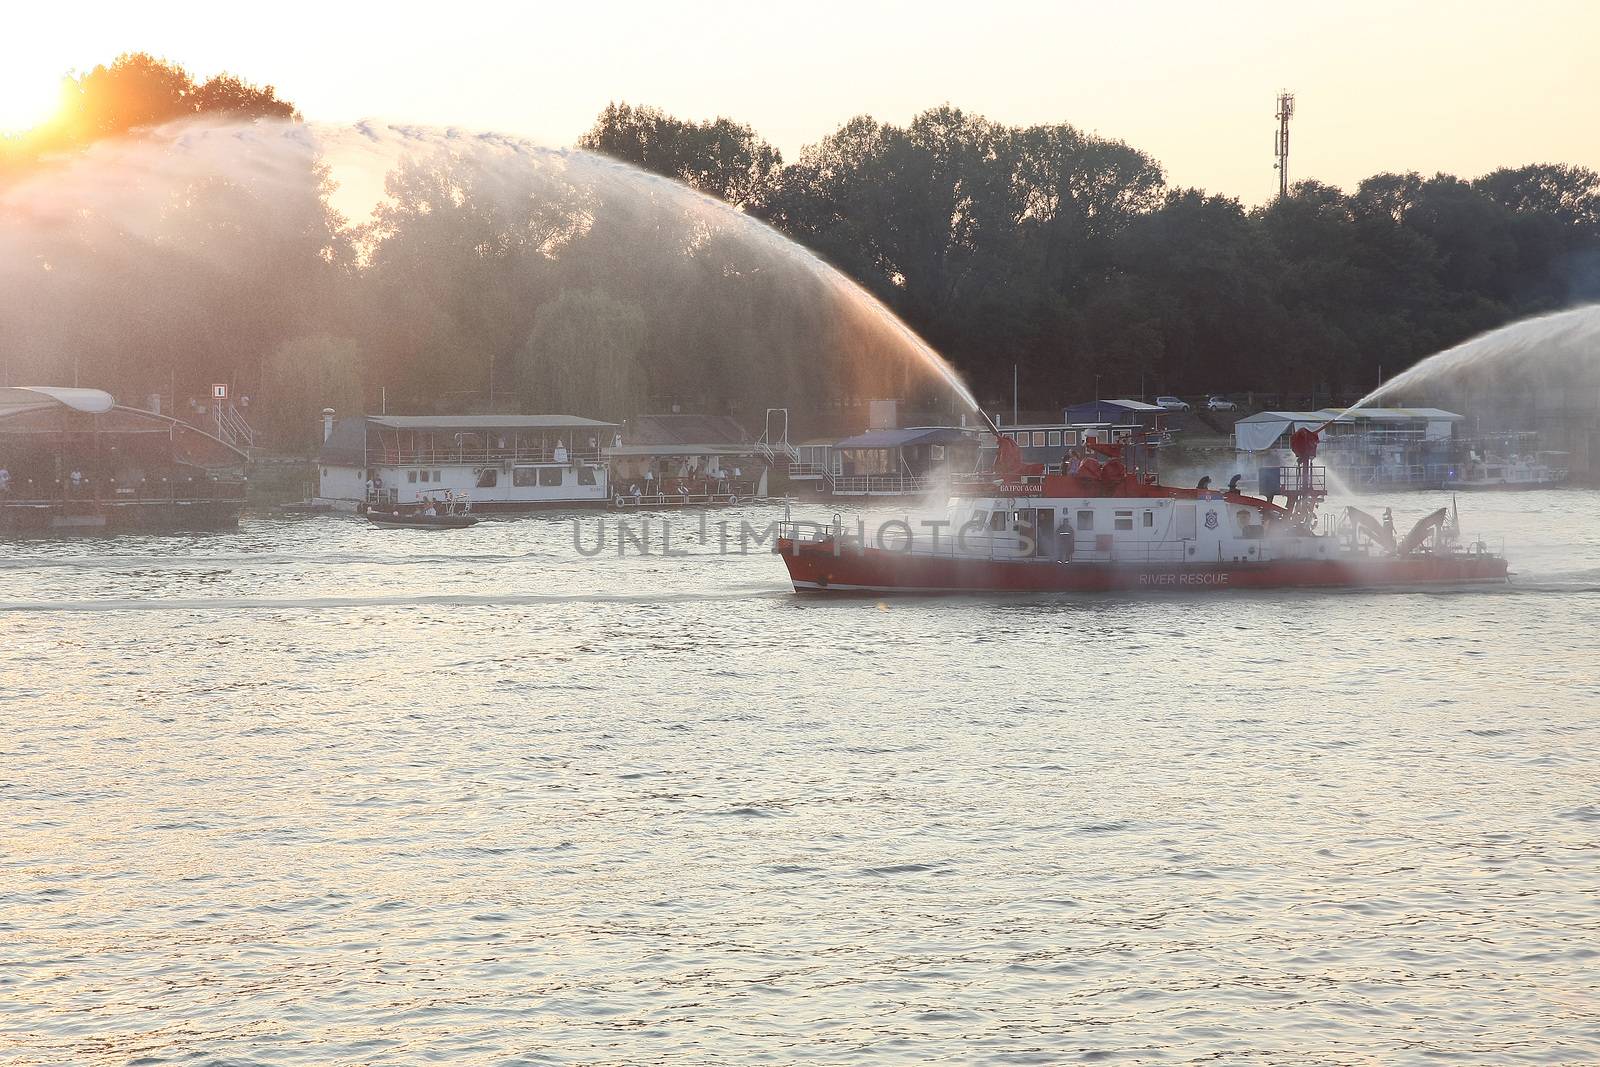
[{"x": 427, "y": 514}]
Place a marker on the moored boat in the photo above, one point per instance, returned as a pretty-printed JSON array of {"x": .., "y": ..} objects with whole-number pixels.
[
  {"x": 1542, "y": 470},
  {"x": 448, "y": 512},
  {"x": 1103, "y": 524}
]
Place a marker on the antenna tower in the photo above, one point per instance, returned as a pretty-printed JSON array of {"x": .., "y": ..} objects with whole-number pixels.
[{"x": 1280, "y": 144}]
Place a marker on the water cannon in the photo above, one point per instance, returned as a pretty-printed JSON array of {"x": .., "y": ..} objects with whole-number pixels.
[{"x": 1303, "y": 442}]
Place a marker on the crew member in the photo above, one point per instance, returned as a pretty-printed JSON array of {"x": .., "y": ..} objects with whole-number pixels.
[{"x": 1066, "y": 540}]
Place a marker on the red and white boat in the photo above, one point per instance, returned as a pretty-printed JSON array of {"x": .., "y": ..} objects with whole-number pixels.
[{"x": 1101, "y": 523}]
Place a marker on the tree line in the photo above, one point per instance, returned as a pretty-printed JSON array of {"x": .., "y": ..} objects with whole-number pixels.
[
  {"x": 1070, "y": 256},
  {"x": 555, "y": 285}
]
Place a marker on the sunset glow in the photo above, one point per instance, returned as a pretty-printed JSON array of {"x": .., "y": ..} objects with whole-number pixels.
[{"x": 25, "y": 100}]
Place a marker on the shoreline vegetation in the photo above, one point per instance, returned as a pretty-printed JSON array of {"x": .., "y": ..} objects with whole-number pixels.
[{"x": 1062, "y": 253}]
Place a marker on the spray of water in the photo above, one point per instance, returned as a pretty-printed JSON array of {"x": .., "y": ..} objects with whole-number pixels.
[
  {"x": 145, "y": 256},
  {"x": 1558, "y": 352}
]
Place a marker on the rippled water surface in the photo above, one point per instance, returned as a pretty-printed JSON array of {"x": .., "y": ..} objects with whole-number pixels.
[{"x": 322, "y": 794}]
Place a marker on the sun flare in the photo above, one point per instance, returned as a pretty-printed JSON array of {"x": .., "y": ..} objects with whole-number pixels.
[{"x": 26, "y": 101}]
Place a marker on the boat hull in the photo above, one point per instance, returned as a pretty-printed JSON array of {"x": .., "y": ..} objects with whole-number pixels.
[
  {"x": 815, "y": 567},
  {"x": 88, "y": 517},
  {"x": 420, "y": 522}
]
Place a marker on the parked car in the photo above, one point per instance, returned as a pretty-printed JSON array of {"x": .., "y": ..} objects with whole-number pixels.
[
  {"x": 1220, "y": 403},
  {"x": 1171, "y": 403}
]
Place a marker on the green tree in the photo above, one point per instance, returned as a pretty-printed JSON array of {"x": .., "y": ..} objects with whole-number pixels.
[
  {"x": 301, "y": 377},
  {"x": 584, "y": 356},
  {"x": 721, "y": 157}
]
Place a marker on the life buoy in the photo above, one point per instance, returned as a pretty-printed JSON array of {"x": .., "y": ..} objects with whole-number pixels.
[
  {"x": 732, "y": 499},
  {"x": 617, "y": 500}
]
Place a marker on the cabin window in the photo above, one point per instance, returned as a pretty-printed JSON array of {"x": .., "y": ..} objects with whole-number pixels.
[
  {"x": 1069, "y": 437},
  {"x": 997, "y": 521},
  {"x": 522, "y": 477},
  {"x": 411, "y": 476},
  {"x": 488, "y": 478},
  {"x": 1038, "y": 439},
  {"x": 937, "y": 452},
  {"x": 549, "y": 476},
  {"x": 1055, "y": 438},
  {"x": 586, "y": 476},
  {"x": 1124, "y": 520},
  {"x": 1085, "y": 521},
  {"x": 1149, "y": 519}
]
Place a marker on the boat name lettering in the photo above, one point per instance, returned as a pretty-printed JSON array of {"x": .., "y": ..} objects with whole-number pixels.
[{"x": 1200, "y": 578}]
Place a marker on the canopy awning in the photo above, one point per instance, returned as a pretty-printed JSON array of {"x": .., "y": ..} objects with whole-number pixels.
[{"x": 1260, "y": 432}]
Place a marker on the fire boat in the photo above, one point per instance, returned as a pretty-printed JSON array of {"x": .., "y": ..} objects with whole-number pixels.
[{"x": 1101, "y": 522}]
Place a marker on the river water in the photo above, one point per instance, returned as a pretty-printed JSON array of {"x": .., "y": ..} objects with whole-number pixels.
[{"x": 314, "y": 793}]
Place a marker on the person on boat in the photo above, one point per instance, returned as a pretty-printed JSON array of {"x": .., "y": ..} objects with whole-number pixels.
[
  {"x": 1388, "y": 520},
  {"x": 561, "y": 452},
  {"x": 5, "y": 482},
  {"x": 430, "y": 511},
  {"x": 1066, "y": 540}
]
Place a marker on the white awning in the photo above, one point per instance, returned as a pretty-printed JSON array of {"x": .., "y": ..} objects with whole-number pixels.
[
  {"x": 1261, "y": 432},
  {"x": 88, "y": 401}
]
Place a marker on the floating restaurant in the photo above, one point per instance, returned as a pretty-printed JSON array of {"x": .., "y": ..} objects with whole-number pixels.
[
  {"x": 76, "y": 460},
  {"x": 497, "y": 462},
  {"x": 1367, "y": 448},
  {"x": 672, "y": 460}
]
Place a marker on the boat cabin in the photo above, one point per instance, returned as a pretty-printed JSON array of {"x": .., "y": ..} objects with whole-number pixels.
[
  {"x": 900, "y": 462},
  {"x": 498, "y": 462}
]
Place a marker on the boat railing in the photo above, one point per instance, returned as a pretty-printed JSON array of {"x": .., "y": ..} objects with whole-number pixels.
[
  {"x": 109, "y": 492},
  {"x": 1135, "y": 552},
  {"x": 1294, "y": 480},
  {"x": 424, "y": 457},
  {"x": 725, "y": 492},
  {"x": 999, "y": 545},
  {"x": 882, "y": 484}
]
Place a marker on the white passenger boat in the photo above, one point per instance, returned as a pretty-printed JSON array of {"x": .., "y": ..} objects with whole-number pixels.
[{"x": 499, "y": 462}]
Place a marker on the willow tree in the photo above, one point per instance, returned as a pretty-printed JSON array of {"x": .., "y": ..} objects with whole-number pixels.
[{"x": 584, "y": 357}]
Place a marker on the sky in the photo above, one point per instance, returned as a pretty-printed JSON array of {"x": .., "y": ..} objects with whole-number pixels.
[{"x": 1461, "y": 87}]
